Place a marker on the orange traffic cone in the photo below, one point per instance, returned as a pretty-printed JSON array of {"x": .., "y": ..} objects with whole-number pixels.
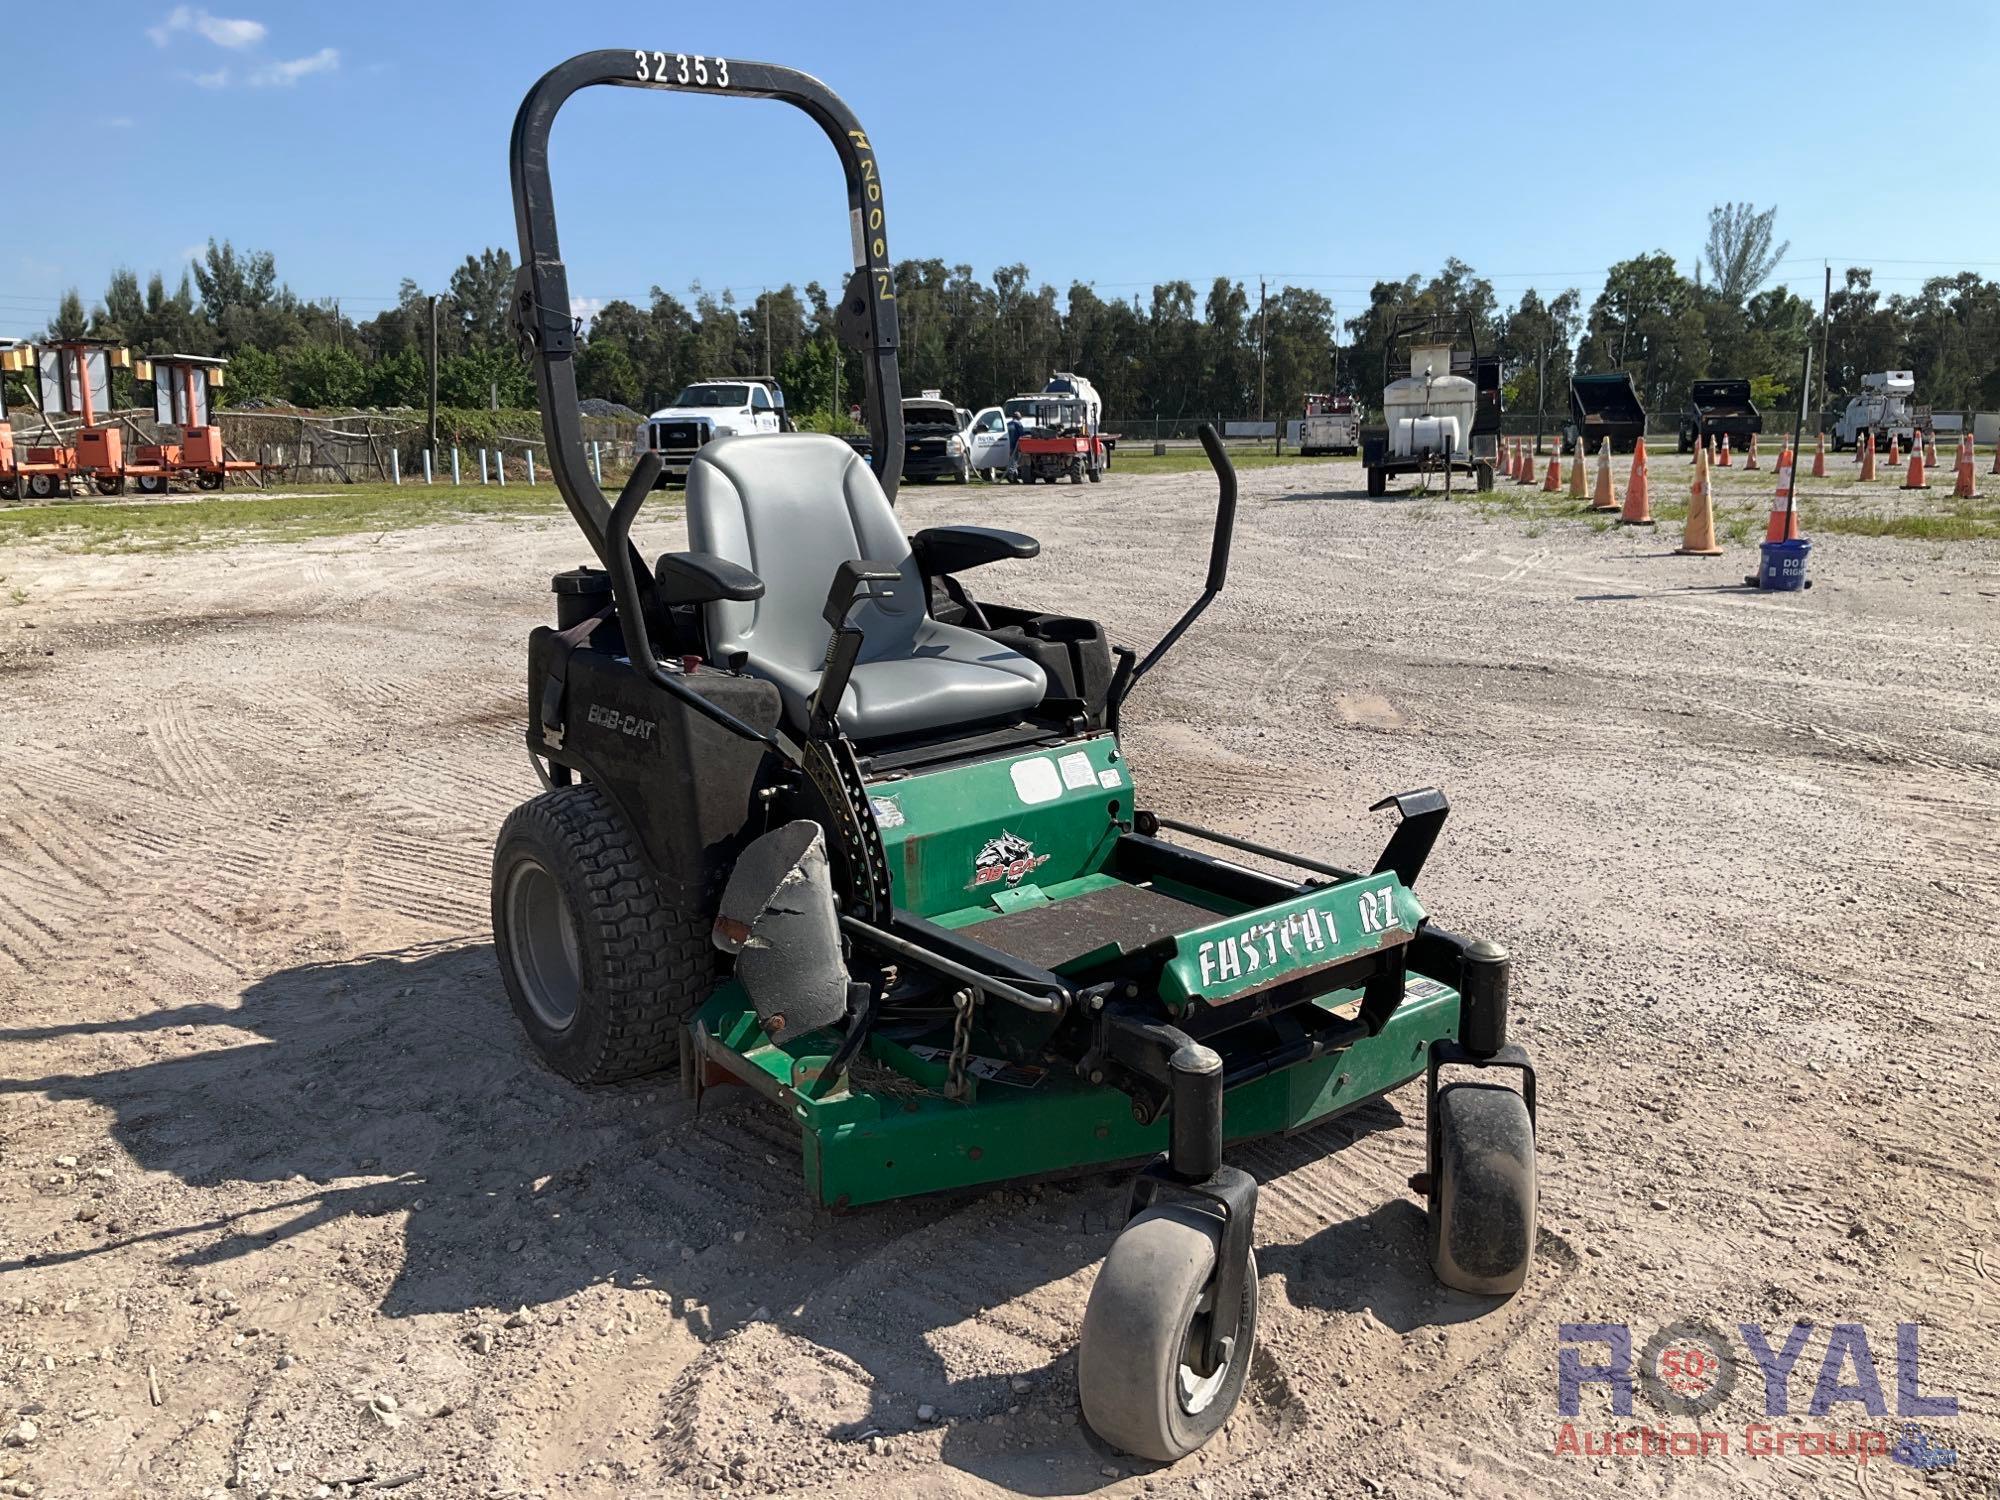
[
  {"x": 1915, "y": 479},
  {"x": 1514, "y": 458},
  {"x": 1604, "y": 497},
  {"x": 1868, "y": 459},
  {"x": 1698, "y": 540},
  {"x": 1724, "y": 459},
  {"x": 1553, "y": 483},
  {"x": 1930, "y": 448},
  {"x": 1996, "y": 459},
  {"x": 1819, "y": 456},
  {"x": 1784, "y": 522},
  {"x": 1636, "y": 512},
  {"x": 1895, "y": 450},
  {"x": 1750, "y": 462},
  {"x": 1966, "y": 488},
  {"x": 1524, "y": 464},
  {"x": 1577, "y": 489}
]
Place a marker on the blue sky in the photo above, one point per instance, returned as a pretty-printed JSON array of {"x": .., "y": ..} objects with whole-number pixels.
[{"x": 1120, "y": 144}]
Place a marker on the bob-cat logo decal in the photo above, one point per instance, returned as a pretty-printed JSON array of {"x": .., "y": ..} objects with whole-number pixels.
[
  {"x": 624, "y": 723},
  {"x": 1009, "y": 857}
]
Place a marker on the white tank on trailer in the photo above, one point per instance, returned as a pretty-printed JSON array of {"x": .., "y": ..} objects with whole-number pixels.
[
  {"x": 1068, "y": 383},
  {"x": 1429, "y": 410}
]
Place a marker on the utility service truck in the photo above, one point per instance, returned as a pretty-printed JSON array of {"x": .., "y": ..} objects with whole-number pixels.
[
  {"x": 1885, "y": 407},
  {"x": 1332, "y": 424}
]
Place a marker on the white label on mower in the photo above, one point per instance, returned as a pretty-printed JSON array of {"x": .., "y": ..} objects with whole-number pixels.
[
  {"x": 989, "y": 1069},
  {"x": 1259, "y": 945},
  {"x": 1037, "y": 780},
  {"x": 860, "y": 241},
  {"x": 1110, "y": 779},
  {"x": 888, "y": 812},
  {"x": 1076, "y": 770},
  {"x": 1378, "y": 911}
]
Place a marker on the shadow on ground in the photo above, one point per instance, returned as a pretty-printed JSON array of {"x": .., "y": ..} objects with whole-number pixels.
[{"x": 399, "y": 1083}]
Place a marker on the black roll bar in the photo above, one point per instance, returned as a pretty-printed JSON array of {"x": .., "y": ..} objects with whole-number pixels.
[{"x": 865, "y": 320}]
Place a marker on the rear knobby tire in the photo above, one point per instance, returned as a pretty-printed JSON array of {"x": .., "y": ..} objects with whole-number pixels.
[
  {"x": 1482, "y": 1200},
  {"x": 1153, "y": 1287},
  {"x": 602, "y": 973}
]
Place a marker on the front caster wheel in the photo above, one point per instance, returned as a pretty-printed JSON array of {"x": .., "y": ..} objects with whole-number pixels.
[
  {"x": 1482, "y": 1198},
  {"x": 1148, "y": 1315}
]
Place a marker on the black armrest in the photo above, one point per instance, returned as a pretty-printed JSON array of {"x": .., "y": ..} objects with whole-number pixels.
[
  {"x": 953, "y": 549},
  {"x": 703, "y": 578}
]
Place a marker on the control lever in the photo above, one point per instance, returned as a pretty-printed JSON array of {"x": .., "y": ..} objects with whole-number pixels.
[
  {"x": 621, "y": 563},
  {"x": 852, "y": 580}
]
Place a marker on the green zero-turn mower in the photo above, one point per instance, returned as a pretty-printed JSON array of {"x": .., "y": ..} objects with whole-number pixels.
[{"x": 820, "y": 821}]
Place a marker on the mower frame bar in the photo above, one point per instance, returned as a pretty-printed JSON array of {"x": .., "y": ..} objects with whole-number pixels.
[
  {"x": 1246, "y": 846},
  {"x": 1053, "y": 1003},
  {"x": 866, "y": 319}
]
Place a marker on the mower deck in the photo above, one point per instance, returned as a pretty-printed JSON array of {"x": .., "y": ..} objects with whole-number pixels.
[{"x": 899, "y": 1136}]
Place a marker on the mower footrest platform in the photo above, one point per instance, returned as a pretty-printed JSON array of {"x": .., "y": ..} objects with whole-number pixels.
[{"x": 1128, "y": 917}]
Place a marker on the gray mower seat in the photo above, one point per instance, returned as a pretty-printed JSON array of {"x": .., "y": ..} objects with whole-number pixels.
[{"x": 792, "y": 507}]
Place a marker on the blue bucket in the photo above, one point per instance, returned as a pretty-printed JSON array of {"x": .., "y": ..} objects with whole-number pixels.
[{"x": 1784, "y": 565}]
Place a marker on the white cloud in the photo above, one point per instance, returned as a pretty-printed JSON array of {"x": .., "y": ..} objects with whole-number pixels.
[
  {"x": 285, "y": 74},
  {"x": 224, "y": 31},
  {"x": 216, "y": 80},
  {"x": 586, "y": 308},
  {"x": 121, "y": 122}
]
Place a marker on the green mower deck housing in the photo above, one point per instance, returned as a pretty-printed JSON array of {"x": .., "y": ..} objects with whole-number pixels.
[{"x": 898, "y": 1134}]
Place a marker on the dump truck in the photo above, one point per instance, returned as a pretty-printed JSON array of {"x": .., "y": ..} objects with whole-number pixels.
[
  {"x": 1718, "y": 409},
  {"x": 1604, "y": 406}
]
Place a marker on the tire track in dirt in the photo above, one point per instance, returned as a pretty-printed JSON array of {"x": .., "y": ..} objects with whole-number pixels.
[{"x": 189, "y": 764}]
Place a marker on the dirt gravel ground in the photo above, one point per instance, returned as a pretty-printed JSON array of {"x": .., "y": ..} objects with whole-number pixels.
[{"x": 287, "y": 1208}]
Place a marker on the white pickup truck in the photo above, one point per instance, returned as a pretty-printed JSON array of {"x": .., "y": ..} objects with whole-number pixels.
[{"x": 729, "y": 407}]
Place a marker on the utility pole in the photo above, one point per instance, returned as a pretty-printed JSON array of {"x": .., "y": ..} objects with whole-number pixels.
[
  {"x": 434, "y": 373},
  {"x": 1541, "y": 391},
  {"x": 1260, "y": 349},
  {"x": 1825, "y": 306},
  {"x": 767, "y": 332}
]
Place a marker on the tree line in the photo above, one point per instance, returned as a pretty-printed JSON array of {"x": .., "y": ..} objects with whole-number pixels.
[{"x": 1181, "y": 351}]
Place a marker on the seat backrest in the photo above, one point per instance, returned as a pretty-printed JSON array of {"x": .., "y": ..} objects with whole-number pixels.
[{"x": 792, "y": 507}]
